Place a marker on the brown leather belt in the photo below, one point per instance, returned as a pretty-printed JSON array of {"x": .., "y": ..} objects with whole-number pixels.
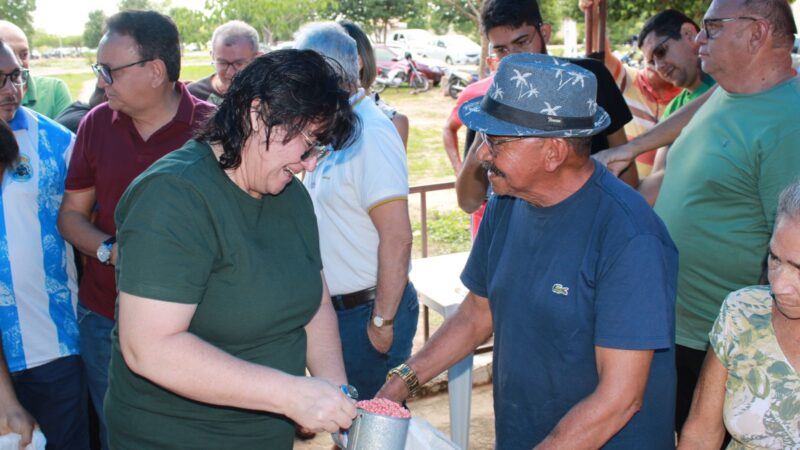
[{"x": 353, "y": 299}]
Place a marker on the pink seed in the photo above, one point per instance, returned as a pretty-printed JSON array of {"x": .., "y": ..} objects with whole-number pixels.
[{"x": 384, "y": 407}]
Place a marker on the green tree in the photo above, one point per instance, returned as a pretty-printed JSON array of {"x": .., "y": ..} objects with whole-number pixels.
[
  {"x": 134, "y": 4},
  {"x": 192, "y": 25},
  {"x": 93, "y": 30},
  {"x": 376, "y": 15},
  {"x": 274, "y": 19},
  {"x": 20, "y": 13}
]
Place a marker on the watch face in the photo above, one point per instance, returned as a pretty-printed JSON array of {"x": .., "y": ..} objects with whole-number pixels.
[
  {"x": 378, "y": 321},
  {"x": 103, "y": 254}
]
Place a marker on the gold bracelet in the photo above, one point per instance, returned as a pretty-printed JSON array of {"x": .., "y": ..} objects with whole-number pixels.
[{"x": 408, "y": 376}]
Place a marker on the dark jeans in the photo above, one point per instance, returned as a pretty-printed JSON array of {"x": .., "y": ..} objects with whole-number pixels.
[
  {"x": 96, "y": 352},
  {"x": 55, "y": 395},
  {"x": 366, "y": 367}
]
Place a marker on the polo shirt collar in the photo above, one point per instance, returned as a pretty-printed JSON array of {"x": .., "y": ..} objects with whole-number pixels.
[
  {"x": 184, "y": 114},
  {"x": 30, "y": 97},
  {"x": 20, "y": 120}
]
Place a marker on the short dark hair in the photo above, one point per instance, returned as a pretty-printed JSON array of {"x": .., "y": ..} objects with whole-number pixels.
[
  {"x": 509, "y": 13},
  {"x": 581, "y": 145},
  {"x": 9, "y": 149},
  {"x": 666, "y": 23},
  {"x": 294, "y": 88},
  {"x": 155, "y": 34},
  {"x": 368, "y": 70},
  {"x": 779, "y": 14}
]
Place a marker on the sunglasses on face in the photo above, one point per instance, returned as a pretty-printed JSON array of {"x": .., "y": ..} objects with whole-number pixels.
[
  {"x": 315, "y": 149},
  {"x": 659, "y": 51},
  {"x": 18, "y": 78},
  {"x": 104, "y": 71},
  {"x": 713, "y": 27}
]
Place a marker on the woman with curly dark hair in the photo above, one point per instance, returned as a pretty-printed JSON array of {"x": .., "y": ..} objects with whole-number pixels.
[{"x": 222, "y": 304}]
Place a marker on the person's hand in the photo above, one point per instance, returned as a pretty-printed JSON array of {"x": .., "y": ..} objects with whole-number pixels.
[
  {"x": 616, "y": 159},
  {"x": 15, "y": 419},
  {"x": 317, "y": 405},
  {"x": 585, "y": 5},
  {"x": 380, "y": 338},
  {"x": 394, "y": 389}
]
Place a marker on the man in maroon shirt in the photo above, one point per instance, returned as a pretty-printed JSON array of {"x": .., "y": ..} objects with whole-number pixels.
[{"x": 148, "y": 114}]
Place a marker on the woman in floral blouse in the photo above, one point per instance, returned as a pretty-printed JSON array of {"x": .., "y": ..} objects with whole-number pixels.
[{"x": 750, "y": 383}]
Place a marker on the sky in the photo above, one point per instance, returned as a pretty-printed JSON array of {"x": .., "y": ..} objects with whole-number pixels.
[{"x": 68, "y": 17}]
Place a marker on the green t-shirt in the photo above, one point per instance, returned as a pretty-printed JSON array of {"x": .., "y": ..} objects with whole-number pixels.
[
  {"x": 47, "y": 96},
  {"x": 706, "y": 82},
  {"x": 187, "y": 234},
  {"x": 720, "y": 193}
]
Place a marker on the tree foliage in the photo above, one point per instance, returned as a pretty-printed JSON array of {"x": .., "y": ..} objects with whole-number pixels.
[
  {"x": 93, "y": 30},
  {"x": 192, "y": 25},
  {"x": 20, "y": 13},
  {"x": 274, "y": 19},
  {"x": 376, "y": 16}
]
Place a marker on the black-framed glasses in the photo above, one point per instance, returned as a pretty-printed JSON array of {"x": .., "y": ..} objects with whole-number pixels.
[
  {"x": 102, "y": 70},
  {"x": 713, "y": 26},
  {"x": 18, "y": 78},
  {"x": 659, "y": 51},
  {"x": 521, "y": 44},
  {"x": 492, "y": 143},
  {"x": 315, "y": 149},
  {"x": 222, "y": 65}
]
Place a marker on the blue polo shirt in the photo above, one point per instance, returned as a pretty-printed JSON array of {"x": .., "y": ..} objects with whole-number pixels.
[{"x": 597, "y": 269}]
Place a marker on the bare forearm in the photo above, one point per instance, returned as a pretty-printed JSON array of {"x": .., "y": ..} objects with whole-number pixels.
[
  {"x": 450, "y": 139},
  {"x": 78, "y": 230},
  {"x": 185, "y": 364},
  {"x": 590, "y": 424},
  {"x": 394, "y": 255},
  {"x": 324, "y": 353},
  {"x": 471, "y": 184},
  {"x": 460, "y": 334}
]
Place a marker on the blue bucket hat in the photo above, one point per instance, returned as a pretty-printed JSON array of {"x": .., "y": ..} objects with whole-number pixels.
[{"x": 537, "y": 95}]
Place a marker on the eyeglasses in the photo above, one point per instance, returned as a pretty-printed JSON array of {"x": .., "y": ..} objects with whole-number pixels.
[
  {"x": 712, "y": 27},
  {"x": 492, "y": 144},
  {"x": 222, "y": 65},
  {"x": 315, "y": 149},
  {"x": 18, "y": 78},
  {"x": 523, "y": 44},
  {"x": 659, "y": 51},
  {"x": 102, "y": 70}
]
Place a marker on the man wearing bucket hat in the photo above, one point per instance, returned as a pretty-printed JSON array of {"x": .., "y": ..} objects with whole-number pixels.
[{"x": 583, "y": 353}]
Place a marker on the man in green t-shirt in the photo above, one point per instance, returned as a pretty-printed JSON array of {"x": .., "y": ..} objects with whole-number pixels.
[
  {"x": 45, "y": 95},
  {"x": 730, "y": 162}
]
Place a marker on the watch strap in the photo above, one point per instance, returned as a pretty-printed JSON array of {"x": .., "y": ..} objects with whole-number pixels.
[{"x": 408, "y": 376}]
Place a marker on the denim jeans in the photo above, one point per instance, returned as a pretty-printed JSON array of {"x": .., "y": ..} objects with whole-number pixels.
[
  {"x": 366, "y": 367},
  {"x": 55, "y": 395},
  {"x": 95, "y": 333}
]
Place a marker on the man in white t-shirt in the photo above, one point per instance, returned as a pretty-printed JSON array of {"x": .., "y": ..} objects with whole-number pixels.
[
  {"x": 360, "y": 196},
  {"x": 38, "y": 290}
]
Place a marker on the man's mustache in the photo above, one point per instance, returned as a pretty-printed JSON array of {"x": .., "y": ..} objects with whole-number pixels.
[{"x": 487, "y": 166}]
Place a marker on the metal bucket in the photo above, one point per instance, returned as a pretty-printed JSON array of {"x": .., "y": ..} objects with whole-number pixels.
[{"x": 374, "y": 432}]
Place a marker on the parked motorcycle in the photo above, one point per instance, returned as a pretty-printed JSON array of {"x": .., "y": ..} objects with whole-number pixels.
[
  {"x": 400, "y": 74},
  {"x": 457, "y": 81}
]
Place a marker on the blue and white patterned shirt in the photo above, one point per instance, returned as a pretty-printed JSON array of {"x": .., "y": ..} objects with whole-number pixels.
[{"x": 38, "y": 290}]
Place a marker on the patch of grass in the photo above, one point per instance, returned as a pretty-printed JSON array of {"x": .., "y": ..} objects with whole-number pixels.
[
  {"x": 194, "y": 73},
  {"x": 427, "y": 161},
  {"x": 448, "y": 232},
  {"x": 75, "y": 82}
]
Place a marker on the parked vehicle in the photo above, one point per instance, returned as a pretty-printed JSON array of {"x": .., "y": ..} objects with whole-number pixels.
[
  {"x": 457, "y": 80},
  {"x": 396, "y": 76},
  {"x": 389, "y": 57},
  {"x": 453, "y": 49},
  {"x": 410, "y": 39}
]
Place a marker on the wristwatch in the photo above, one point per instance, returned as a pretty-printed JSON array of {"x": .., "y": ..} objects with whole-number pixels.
[
  {"x": 379, "y": 321},
  {"x": 104, "y": 251},
  {"x": 408, "y": 376}
]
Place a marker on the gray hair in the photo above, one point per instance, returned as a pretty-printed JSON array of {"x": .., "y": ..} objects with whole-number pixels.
[
  {"x": 232, "y": 31},
  {"x": 779, "y": 14},
  {"x": 789, "y": 203},
  {"x": 331, "y": 40}
]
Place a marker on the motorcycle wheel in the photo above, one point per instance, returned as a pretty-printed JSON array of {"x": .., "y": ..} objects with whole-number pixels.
[
  {"x": 454, "y": 89},
  {"x": 377, "y": 87},
  {"x": 420, "y": 83}
]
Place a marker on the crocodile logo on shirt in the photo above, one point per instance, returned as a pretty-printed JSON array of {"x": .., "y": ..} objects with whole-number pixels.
[{"x": 560, "y": 290}]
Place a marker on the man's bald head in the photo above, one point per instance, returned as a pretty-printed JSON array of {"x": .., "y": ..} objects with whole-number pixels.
[{"x": 16, "y": 39}]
